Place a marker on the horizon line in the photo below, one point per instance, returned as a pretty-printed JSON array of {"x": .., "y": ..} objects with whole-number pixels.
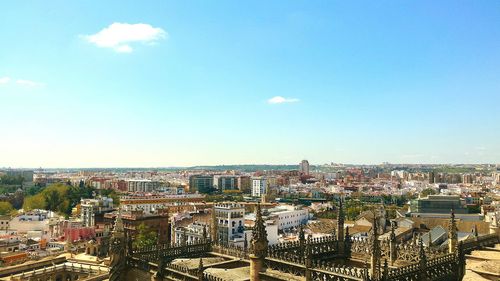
[{"x": 243, "y": 165}]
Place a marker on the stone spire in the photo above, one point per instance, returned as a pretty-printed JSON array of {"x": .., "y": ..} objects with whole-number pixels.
[
  {"x": 422, "y": 260},
  {"x": 302, "y": 236},
  {"x": 308, "y": 258},
  {"x": 259, "y": 234},
  {"x": 205, "y": 233},
  {"x": 258, "y": 246},
  {"x": 392, "y": 236},
  {"x": 421, "y": 249},
  {"x": 117, "y": 250},
  {"x": 184, "y": 237},
  {"x": 452, "y": 234},
  {"x": 200, "y": 270},
  {"x": 429, "y": 244},
  {"x": 393, "y": 251},
  {"x": 245, "y": 243},
  {"x": 375, "y": 249},
  {"x": 118, "y": 229},
  {"x": 214, "y": 226},
  {"x": 340, "y": 221},
  {"x": 385, "y": 271}
]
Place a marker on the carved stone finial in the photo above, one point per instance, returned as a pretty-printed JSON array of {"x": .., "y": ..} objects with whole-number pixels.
[
  {"x": 259, "y": 234},
  {"x": 452, "y": 233},
  {"x": 117, "y": 250},
  {"x": 421, "y": 248},
  {"x": 205, "y": 232},
  {"x": 245, "y": 243},
  {"x": 340, "y": 221},
  {"x": 302, "y": 235},
  {"x": 393, "y": 232},
  {"x": 200, "y": 270},
  {"x": 385, "y": 271},
  {"x": 214, "y": 226}
]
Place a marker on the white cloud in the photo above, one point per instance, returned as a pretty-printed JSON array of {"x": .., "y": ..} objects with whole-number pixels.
[
  {"x": 280, "y": 99},
  {"x": 120, "y": 36},
  {"x": 28, "y": 83},
  {"x": 4, "y": 80}
]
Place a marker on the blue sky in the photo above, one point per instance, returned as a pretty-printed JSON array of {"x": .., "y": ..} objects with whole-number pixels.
[{"x": 175, "y": 83}]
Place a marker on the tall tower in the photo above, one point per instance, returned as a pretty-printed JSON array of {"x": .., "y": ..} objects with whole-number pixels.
[
  {"x": 258, "y": 246},
  {"x": 304, "y": 167},
  {"x": 452, "y": 234},
  {"x": 117, "y": 250}
]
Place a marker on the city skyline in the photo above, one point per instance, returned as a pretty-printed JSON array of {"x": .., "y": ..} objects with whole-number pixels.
[{"x": 175, "y": 84}]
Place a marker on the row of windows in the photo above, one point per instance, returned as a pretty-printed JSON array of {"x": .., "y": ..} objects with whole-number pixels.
[
  {"x": 233, "y": 223},
  {"x": 290, "y": 222},
  {"x": 293, "y": 216}
]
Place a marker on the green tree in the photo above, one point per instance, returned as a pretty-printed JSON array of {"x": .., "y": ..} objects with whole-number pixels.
[
  {"x": 13, "y": 180},
  {"x": 56, "y": 198},
  {"x": 6, "y": 208},
  {"x": 53, "y": 200},
  {"x": 145, "y": 237},
  {"x": 33, "y": 190},
  {"x": 427, "y": 191},
  {"x": 34, "y": 202}
]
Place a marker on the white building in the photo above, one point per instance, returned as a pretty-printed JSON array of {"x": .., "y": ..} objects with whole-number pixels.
[
  {"x": 288, "y": 216},
  {"x": 230, "y": 223},
  {"x": 192, "y": 233},
  {"x": 92, "y": 207},
  {"x": 259, "y": 186}
]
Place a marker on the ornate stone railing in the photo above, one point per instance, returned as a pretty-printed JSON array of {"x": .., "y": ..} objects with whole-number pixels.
[
  {"x": 404, "y": 252},
  {"x": 480, "y": 241},
  {"x": 327, "y": 272},
  {"x": 167, "y": 252},
  {"x": 182, "y": 268},
  {"x": 234, "y": 251},
  {"x": 66, "y": 267},
  {"x": 360, "y": 246},
  {"x": 208, "y": 277},
  {"x": 318, "y": 270},
  {"x": 289, "y": 258},
  {"x": 441, "y": 268},
  {"x": 295, "y": 249}
]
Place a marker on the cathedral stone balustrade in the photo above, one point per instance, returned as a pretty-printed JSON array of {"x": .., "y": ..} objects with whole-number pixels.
[{"x": 321, "y": 259}]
